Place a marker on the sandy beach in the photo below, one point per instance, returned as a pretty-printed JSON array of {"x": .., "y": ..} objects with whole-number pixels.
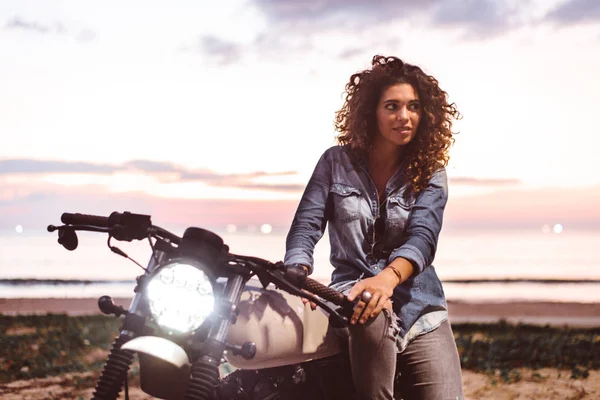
[
  {"x": 536, "y": 313},
  {"x": 544, "y": 383}
]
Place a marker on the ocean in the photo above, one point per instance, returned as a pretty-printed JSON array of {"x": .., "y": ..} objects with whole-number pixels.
[{"x": 473, "y": 265}]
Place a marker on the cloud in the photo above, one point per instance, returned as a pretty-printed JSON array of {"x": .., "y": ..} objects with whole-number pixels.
[
  {"x": 350, "y": 13},
  {"x": 576, "y": 208},
  {"x": 484, "y": 182},
  {"x": 221, "y": 51},
  {"x": 514, "y": 209},
  {"x": 55, "y": 28},
  {"x": 575, "y": 11},
  {"x": 165, "y": 172},
  {"x": 480, "y": 18},
  {"x": 18, "y": 23},
  {"x": 277, "y": 187},
  {"x": 351, "y": 52},
  {"x": 86, "y": 35},
  {"x": 214, "y": 177},
  {"x": 25, "y": 198},
  {"x": 28, "y": 166},
  {"x": 296, "y": 28},
  {"x": 38, "y": 209},
  {"x": 369, "y": 48},
  {"x": 152, "y": 166}
]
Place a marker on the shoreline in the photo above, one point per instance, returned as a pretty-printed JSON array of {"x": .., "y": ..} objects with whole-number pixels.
[{"x": 580, "y": 315}]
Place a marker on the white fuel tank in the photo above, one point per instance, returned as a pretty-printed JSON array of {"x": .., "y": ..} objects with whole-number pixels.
[{"x": 285, "y": 330}]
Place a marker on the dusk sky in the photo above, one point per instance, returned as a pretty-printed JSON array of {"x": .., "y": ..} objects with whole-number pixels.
[{"x": 213, "y": 113}]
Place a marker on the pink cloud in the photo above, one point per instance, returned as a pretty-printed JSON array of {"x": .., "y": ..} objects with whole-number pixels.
[
  {"x": 577, "y": 207},
  {"x": 503, "y": 209}
]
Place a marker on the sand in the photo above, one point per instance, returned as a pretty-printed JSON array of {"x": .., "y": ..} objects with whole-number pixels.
[
  {"x": 547, "y": 384},
  {"x": 544, "y": 384},
  {"x": 540, "y": 313}
]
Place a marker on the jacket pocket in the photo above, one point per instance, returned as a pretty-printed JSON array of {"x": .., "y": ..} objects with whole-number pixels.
[
  {"x": 398, "y": 212},
  {"x": 346, "y": 202},
  {"x": 401, "y": 202}
]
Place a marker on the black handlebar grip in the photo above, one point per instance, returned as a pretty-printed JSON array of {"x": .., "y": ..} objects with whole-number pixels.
[
  {"x": 84, "y": 219},
  {"x": 324, "y": 292}
]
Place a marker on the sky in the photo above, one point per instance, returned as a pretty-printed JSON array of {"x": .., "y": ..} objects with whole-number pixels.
[{"x": 214, "y": 114}]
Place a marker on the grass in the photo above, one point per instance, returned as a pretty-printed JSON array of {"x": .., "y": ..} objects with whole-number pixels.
[
  {"x": 504, "y": 348},
  {"x": 53, "y": 344}
]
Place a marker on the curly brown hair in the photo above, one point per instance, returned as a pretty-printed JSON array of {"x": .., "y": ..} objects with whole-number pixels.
[{"x": 356, "y": 121}]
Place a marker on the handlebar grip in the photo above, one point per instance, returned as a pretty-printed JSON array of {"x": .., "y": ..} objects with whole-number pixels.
[
  {"x": 84, "y": 219},
  {"x": 324, "y": 292}
]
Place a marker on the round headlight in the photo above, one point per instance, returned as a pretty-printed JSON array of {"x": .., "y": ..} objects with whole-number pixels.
[{"x": 180, "y": 297}]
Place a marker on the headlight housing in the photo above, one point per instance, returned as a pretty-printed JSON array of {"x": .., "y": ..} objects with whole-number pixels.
[{"x": 180, "y": 296}]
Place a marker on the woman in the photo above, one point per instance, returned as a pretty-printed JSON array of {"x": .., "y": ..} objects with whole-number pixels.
[{"x": 383, "y": 191}]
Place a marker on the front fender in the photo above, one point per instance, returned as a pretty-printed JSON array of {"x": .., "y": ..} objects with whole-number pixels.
[
  {"x": 161, "y": 348},
  {"x": 164, "y": 366}
]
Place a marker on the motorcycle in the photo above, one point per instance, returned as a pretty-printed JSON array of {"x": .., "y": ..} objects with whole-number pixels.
[{"x": 197, "y": 308}]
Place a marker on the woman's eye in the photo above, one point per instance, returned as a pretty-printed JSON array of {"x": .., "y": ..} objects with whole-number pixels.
[
  {"x": 414, "y": 106},
  {"x": 391, "y": 106}
]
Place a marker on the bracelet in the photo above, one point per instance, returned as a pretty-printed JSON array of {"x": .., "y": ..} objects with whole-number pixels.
[{"x": 398, "y": 274}]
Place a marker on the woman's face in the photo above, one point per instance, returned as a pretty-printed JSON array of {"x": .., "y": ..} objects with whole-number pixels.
[{"x": 398, "y": 115}]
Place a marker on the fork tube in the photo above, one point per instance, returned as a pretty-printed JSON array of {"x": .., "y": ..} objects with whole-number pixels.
[
  {"x": 232, "y": 293},
  {"x": 204, "y": 374}
]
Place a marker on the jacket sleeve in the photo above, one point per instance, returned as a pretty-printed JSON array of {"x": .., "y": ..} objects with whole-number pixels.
[
  {"x": 310, "y": 219},
  {"x": 424, "y": 224}
]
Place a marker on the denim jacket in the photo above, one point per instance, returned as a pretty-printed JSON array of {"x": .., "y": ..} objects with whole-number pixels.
[{"x": 342, "y": 196}]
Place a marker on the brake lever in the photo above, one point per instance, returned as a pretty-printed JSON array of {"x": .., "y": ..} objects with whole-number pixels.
[
  {"x": 119, "y": 232},
  {"x": 89, "y": 228}
]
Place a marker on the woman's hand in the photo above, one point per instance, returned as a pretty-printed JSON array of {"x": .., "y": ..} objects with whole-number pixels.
[
  {"x": 381, "y": 287},
  {"x": 313, "y": 306}
]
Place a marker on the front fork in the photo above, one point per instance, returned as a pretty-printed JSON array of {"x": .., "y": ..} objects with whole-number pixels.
[
  {"x": 114, "y": 373},
  {"x": 205, "y": 370}
]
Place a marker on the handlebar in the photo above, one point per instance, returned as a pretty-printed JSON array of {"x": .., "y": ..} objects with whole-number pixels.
[
  {"x": 85, "y": 219},
  {"x": 325, "y": 292},
  {"x": 128, "y": 226},
  {"x": 122, "y": 226}
]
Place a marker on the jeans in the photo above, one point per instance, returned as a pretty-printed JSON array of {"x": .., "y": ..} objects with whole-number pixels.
[{"x": 428, "y": 369}]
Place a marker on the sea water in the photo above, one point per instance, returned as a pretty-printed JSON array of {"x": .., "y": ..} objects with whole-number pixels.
[{"x": 473, "y": 265}]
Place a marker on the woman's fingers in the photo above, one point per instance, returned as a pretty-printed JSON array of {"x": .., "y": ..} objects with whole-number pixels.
[
  {"x": 370, "y": 307},
  {"x": 313, "y": 306},
  {"x": 358, "y": 310},
  {"x": 380, "y": 305},
  {"x": 356, "y": 290},
  {"x": 373, "y": 306},
  {"x": 354, "y": 293}
]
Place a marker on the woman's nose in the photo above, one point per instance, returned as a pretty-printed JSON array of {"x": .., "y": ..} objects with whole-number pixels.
[{"x": 402, "y": 114}]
